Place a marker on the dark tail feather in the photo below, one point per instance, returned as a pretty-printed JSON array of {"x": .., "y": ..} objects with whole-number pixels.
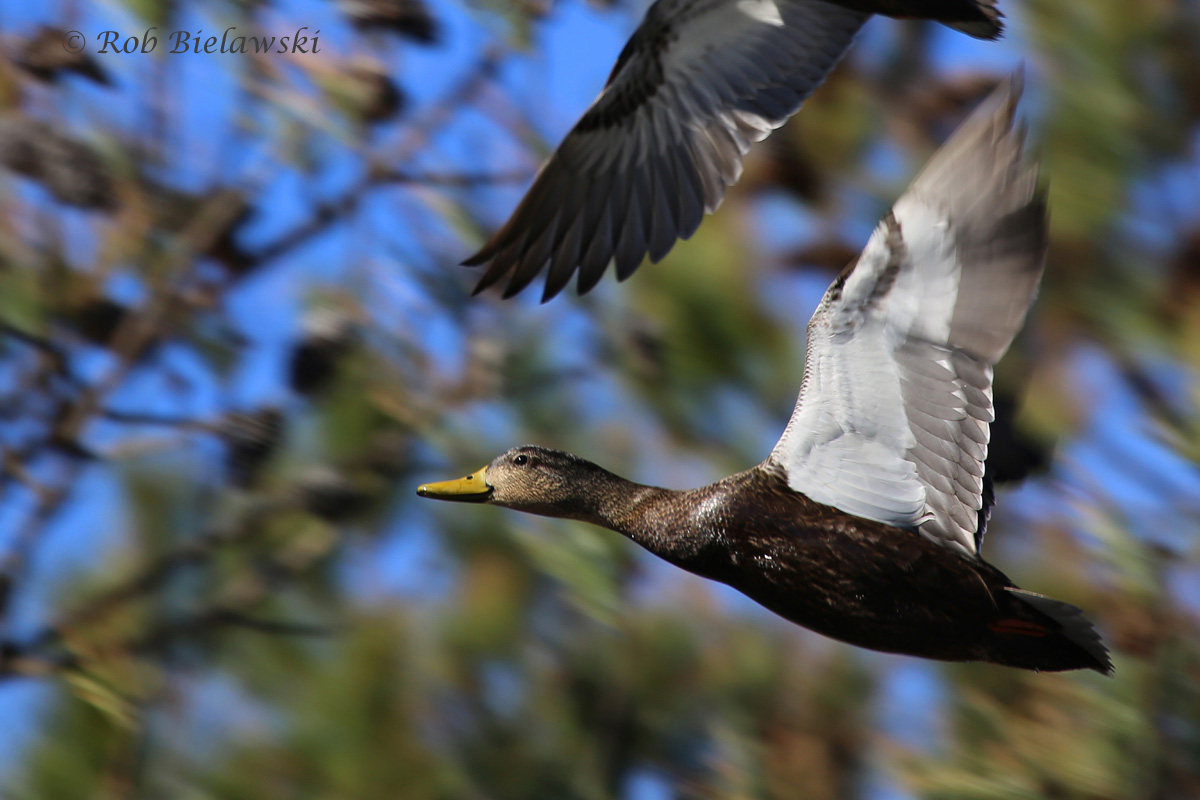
[
  {"x": 978, "y": 18},
  {"x": 987, "y": 21},
  {"x": 1046, "y": 634}
]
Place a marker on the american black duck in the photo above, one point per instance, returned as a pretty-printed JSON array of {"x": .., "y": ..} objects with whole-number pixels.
[
  {"x": 697, "y": 83},
  {"x": 865, "y": 521}
]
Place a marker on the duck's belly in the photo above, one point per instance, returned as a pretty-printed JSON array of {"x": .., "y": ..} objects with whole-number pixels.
[{"x": 897, "y": 593}]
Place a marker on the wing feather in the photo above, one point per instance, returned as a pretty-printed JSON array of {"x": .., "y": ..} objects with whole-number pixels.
[
  {"x": 691, "y": 192},
  {"x": 892, "y": 421}
]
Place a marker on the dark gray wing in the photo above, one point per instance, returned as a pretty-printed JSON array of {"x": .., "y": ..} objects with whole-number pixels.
[{"x": 697, "y": 84}]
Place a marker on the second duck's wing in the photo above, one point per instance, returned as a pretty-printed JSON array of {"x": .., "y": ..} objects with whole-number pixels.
[
  {"x": 892, "y": 422},
  {"x": 697, "y": 84}
]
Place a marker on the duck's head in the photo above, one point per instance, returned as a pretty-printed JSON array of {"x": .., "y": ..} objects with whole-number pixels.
[{"x": 532, "y": 479}]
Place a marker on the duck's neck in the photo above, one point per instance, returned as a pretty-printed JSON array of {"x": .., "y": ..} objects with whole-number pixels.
[{"x": 658, "y": 519}]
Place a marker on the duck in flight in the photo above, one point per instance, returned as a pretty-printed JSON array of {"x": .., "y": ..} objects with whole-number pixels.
[
  {"x": 697, "y": 83},
  {"x": 866, "y": 520}
]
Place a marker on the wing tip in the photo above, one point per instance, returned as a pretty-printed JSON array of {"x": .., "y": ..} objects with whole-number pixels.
[
  {"x": 490, "y": 277},
  {"x": 517, "y": 283},
  {"x": 477, "y": 260},
  {"x": 549, "y": 291},
  {"x": 999, "y": 108},
  {"x": 992, "y": 134}
]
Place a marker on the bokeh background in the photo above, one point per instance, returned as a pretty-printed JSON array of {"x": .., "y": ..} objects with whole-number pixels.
[{"x": 234, "y": 337}]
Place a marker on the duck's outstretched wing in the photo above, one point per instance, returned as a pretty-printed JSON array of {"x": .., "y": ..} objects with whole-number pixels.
[
  {"x": 697, "y": 84},
  {"x": 892, "y": 422}
]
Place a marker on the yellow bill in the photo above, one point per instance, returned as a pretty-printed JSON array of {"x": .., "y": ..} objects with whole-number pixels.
[{"x": 471, "y": 489}]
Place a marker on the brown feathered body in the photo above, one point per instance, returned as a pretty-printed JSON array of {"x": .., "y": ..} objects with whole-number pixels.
[{"x": 852, "y": 579}]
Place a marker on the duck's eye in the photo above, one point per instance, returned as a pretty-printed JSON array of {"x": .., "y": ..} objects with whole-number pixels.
[{"x": 521, "y": 460}]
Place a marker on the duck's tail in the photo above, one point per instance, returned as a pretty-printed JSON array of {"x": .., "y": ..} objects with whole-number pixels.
[
  {"x": 1040, "y": 633},
  {"x": 983, "y": 22},
  {"x": 978, "y": 18}
]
